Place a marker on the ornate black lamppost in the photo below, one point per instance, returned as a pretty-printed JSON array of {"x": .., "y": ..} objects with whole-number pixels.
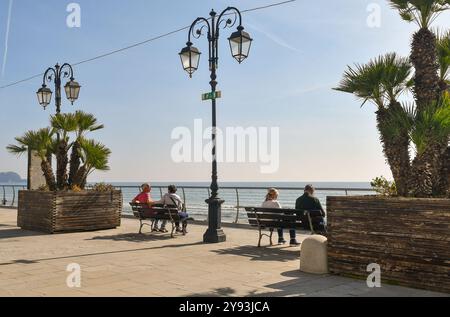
[
  {"x": 240, "y": 43},
  {"x": 56, "y": 74}
]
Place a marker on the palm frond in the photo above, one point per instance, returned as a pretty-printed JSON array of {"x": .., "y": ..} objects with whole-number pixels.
[
  {"x": 95, "y": 155},
  {"x": 16, "y": 149},
  {"x": 381, "y": 80},
  {"x": 443, "y": 49},
  {"x": 422, "y": 12},
  {"x": 39, "y": 141},
  {"x": 86, "y": 122}
]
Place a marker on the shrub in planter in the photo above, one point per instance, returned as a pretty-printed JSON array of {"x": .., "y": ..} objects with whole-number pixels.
[{"x": 67, "y": 205}]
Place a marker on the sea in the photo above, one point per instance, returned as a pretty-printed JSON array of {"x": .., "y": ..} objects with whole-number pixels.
[{"x": 237, "y": 195}]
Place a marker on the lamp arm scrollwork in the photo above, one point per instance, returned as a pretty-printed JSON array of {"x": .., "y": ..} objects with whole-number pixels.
[
  {"x": 68, "y": 73},
  {"x": 229, "y": 23},
  {"x": 197, "y": 33},
  {"x": 48, "y": 75}
]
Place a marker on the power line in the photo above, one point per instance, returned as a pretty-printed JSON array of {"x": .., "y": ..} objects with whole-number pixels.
[{"x": 142, "y": 43}]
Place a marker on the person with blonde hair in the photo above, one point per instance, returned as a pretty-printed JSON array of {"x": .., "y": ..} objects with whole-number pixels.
[{"x": 273, "y": 203}]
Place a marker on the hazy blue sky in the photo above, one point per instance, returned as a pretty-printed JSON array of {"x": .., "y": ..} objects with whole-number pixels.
[{"x": 300, "y": 52}]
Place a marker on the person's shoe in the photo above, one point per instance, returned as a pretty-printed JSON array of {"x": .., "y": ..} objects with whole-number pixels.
[
  {"x": 281, "y": 241},
  {"x": 163, "y": 230},
  {"x": 179, "y": 230},
  {"x": 294, "y": 243}
]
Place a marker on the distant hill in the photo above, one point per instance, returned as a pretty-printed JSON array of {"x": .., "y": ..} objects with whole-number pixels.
[{"x": 10, "y": 177}]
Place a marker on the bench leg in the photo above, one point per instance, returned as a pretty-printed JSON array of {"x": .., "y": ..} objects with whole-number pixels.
[
  {"x": 173, "y": 230},
  {"x": 260, "y": 238},
  {"x": 142, "y": 225},
  {"x": 271, "y": 235}
]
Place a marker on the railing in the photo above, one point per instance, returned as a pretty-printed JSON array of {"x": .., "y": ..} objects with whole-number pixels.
[
  {"x": 237, "y": 198},
  {"x": 9, "y": 194}
]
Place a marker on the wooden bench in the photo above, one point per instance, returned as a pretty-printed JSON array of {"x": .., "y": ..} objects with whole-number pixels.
[
  {"x": 158, "y": 212},
  {"x": 272, "y": 219}
]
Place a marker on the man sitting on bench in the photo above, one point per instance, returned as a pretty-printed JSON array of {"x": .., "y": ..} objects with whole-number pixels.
[
  {"x": 172, "y": 199},
  {"x": 309, "y": 202}
]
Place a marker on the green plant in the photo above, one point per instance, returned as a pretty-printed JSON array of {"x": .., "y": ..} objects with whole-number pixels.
[
  {"x": 422, "y": 124},
  {"x": 43, "y": 143},
  {"x": 102, "y": 187},
  {"x": 87, "y": 155},
  {"x": 384, "y": 187},
  {"x": 382, "y": 81},
  {"x": 43, "y": 188}
]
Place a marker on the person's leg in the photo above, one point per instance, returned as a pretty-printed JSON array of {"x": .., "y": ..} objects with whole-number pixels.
[
  {"x": 183, "y": 217},
  {"x": 281, "y": 236},
  {"x": 293, "y": 235},
  {"x": 163, "y": 226}
]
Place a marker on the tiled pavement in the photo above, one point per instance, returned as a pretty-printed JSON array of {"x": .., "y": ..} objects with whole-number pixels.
[{"x": 122, "y": 263}]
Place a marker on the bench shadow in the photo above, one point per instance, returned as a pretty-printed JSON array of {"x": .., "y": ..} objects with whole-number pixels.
[
  {"x": 135, "y": 237},
  {"x": 284, "y": 254}
]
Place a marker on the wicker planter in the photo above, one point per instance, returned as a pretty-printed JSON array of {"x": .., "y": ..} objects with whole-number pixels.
[
  {"x": 59, "y": 212},
  {"x": 408, "y": 238}
]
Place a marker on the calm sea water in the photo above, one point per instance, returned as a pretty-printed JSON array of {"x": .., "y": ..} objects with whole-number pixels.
[{"x": 195, "y": 197}]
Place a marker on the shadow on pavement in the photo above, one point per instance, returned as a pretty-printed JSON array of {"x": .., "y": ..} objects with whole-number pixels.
[{"x": 285, "y": 254}]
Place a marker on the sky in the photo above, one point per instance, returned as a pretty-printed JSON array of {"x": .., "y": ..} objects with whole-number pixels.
[{"x": 299, "y": 54}]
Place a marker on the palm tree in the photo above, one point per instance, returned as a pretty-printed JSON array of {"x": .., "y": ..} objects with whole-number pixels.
[
  {"x": 41, "y": 142},
  {"x": 428, "y": 129},
  {"x": 63, "y": 124},
  {"x": 84, "y": 123},
  {"x": 94, "y": 156},
  {"x": 424, "y": 52},
  {"x": 382, "y": 81}
]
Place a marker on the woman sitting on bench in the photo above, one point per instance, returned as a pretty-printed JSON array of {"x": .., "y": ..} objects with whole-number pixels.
[
  {"x": 273, "y": 203},
  {"x": 145, "y": 198}
]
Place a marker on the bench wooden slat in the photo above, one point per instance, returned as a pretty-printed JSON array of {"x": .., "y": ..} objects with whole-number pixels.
[
  {"x": 267, "y": 224},
  {"x": 280, "y": 217},
  {"x": 274, "y": 218}
]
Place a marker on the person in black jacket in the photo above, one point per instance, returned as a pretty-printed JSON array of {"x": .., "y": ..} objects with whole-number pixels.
[
  {"x": 311, "y": 203},
  {"x": 308, "y": 201}
]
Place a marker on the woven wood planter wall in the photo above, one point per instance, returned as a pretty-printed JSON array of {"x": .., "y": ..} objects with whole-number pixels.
[
  {"x": 59, "y": 212},
  {"x": 408, "y": 238}
]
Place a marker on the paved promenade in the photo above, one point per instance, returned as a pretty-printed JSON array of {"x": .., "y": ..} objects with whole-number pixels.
[{"x": 123, "y": 263}]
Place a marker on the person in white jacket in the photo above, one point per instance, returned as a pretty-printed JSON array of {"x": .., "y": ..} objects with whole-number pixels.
[
  {"x": 273, "y": 203},
  {"x": 171, "y": 199}
]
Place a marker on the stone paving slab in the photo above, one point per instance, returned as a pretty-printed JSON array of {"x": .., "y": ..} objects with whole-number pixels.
[{"x": 122, "y": 263}]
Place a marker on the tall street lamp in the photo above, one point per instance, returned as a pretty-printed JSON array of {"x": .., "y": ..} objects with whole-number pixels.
[
  {"x": 240, "y": 43},
  {"x": 56, "y": 74}
]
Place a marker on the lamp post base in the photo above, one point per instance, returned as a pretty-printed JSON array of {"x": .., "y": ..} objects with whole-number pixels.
[{"x": 214, "y": 234}]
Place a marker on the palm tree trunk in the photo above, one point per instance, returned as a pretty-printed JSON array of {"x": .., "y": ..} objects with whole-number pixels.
[
  {"x": 425, "y": 60},
  {"x": 74, "y": 162},
  {"x": 421, "y": 177},
  {"x": 80, "y": 177},
  {"x": 48, "y": 174},
  {"x": 61, "y": 161},
  {"x": 427, "y": 168},
  {"x": 396, "y": 150}
]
